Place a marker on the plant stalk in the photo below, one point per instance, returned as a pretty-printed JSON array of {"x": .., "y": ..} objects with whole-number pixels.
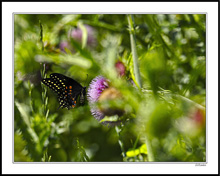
[
  {"x": 41, "y": 35},
  {"x": 137, "y": 72},
  {"x": 134, "y": 50},
  {"x": 149, "y": 149},
  {"x": 118, "y": 130}
]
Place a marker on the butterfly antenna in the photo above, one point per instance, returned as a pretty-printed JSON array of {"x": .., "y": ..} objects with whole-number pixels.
[{"x": 86, "y": 80}]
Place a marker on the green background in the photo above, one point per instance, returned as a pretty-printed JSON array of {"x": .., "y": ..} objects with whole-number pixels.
[{"x": 164, "y": 121}]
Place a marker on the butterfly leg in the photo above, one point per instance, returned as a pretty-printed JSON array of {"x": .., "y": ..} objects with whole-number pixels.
[{"x": 59, "y": 107}]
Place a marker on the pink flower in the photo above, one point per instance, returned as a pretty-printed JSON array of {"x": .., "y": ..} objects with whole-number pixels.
[{"x": 120, "y": 67}]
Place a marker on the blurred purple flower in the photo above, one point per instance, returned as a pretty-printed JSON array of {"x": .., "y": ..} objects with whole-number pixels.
[
  {"x": 120, "y": 67},
  {"x": 65, "y": 44},
  {"x": 77, "y": 35}
]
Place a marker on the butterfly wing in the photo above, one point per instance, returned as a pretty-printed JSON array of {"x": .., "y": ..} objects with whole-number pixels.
[{"x": 66, "y": 88}]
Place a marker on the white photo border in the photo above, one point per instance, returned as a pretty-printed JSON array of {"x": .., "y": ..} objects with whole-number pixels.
[{"x": 8, "y": 8}]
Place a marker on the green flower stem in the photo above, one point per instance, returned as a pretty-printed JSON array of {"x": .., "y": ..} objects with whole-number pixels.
[
  {"x": 134, "y": 50},
  {"x": 199, "y": 106},
  {"x": 41, "y": 35},
  {"x": 149, "y": 149},
  {"x": 191, "y": 102},
  {"x": 43, "y": 75},
  {"x": 137, "y": 72},
  {"x": 30, "y": 86},
  {"x": 118, "y": 130},
  {"x": 44, "y": 94}
]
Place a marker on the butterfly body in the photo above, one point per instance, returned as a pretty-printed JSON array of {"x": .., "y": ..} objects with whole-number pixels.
[{"x": 67, "y": 89}]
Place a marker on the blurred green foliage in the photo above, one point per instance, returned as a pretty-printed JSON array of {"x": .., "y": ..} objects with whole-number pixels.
[{"x": 164, "y": 121}]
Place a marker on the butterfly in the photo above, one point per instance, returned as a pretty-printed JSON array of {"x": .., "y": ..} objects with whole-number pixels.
[{"x": 67, "y": 89}]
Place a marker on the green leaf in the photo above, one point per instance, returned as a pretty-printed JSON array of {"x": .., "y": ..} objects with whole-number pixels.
[
  {"x": 110, "y": 119},
  {"x": 84, "y": 34},
  {"x": 141, "y": 150}
]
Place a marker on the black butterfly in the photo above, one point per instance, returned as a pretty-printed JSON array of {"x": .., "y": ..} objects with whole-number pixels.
[{"x": 67, "y": 89}]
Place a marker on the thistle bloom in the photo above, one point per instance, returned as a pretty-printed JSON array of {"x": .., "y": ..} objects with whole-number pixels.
[{"x": 97, "y": 87}]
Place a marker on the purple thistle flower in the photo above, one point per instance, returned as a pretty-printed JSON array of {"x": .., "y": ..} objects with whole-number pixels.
[
  {"x": 96, "y": 87},
  {"x": 95, "y": 90}
]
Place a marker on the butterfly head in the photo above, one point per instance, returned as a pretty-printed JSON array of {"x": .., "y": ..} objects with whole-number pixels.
[{"x": 82, "y": 95}]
